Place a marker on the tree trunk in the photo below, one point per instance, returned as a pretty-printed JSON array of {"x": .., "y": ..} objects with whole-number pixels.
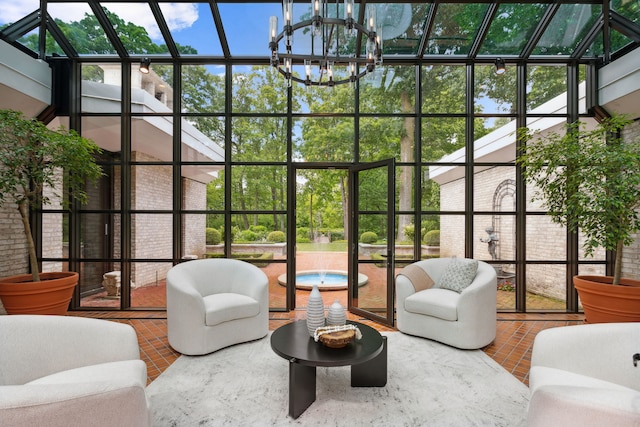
[
  {"x": 617, "y": 267},
  {"x": 345, "y": 207},
  {"x": 33, "y": 258},
  {"x": 406, "y": 173},
  {"x": 311, "y": 232}
]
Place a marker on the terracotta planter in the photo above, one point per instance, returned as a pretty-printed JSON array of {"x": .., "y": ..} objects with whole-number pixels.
[
  {"x": 49, "y": 296},
  {"x": 605, "y": 303}
]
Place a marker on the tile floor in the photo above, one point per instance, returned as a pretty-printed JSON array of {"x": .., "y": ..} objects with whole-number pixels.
[{"x": 511, "y": 348}]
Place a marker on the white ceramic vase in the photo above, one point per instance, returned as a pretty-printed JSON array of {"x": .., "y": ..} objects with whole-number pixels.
[
  {"x": 337, "y": 315},
  {"x": 315, "y": 310}
]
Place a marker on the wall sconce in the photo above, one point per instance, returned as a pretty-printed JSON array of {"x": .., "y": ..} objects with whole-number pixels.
[
  {"x": 144, "y": 65},
  {"x": 500, "y": 67}
]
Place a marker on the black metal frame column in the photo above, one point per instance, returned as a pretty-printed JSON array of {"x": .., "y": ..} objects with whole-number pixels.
[
  {"x": 417, "y": 175},
  {"x": 469, "y": 161},
  {"x": 572, "y": 236},
  {"x": 125, "y": 189},
  {"x": 521, "y": 192},
  {"x": 177, "y": 164},
  {"x": 291, "y": 209},
  {"x": 228, "y": 89},
  {"x": 75, "y": 231}
]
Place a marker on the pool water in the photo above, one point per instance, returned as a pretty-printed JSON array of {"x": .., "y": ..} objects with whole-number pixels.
[{"x": 327, "y": 279}]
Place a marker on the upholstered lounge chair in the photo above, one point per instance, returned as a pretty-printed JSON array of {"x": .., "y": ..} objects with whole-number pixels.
[
  {"x": 464, "y": 318},
  {"x": 585, "y": 375},
  {"x": 215, "y": 303},
  {"x": 70, "y": 371}
]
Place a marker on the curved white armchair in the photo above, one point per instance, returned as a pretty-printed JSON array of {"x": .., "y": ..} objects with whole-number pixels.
[
  {"x": 215, "y": 303},
  {"x": 465, "y": 320},
  {"x": 70, "y": 371},
  {"x": 584, "y": 375}
]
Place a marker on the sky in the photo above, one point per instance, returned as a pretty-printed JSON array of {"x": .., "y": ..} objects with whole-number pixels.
[{"x": 246, "y": 25}]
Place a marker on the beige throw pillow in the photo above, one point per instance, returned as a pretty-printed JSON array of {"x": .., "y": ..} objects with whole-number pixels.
[{"x": 419, "y": 278}]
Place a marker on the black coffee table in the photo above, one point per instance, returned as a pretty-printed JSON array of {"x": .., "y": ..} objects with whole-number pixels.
[{"x": 367, "y": 358}]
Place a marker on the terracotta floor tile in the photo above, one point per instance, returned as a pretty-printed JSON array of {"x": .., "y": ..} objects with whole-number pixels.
[{"x": 511, "y": 348}]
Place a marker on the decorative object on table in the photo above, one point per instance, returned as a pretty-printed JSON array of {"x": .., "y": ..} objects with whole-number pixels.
[
  {"x": 337, "y": 339},
  {"x": 337, "y": 336},
  {"x": 336, "y": 315},
  {"x": 315, "y": 310}
]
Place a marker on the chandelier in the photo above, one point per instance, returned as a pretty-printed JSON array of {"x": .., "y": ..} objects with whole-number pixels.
[{"x": 332, "y": 44}]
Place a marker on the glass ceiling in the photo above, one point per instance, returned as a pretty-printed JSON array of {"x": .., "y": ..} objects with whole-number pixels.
[{"x": 237, "y": 30}]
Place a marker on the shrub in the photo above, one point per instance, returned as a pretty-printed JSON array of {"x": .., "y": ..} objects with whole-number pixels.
[
  {"x": 430, "y": 224},
  {"x": 337, "y": 234},
  {"x": 235, "y": 232},
  {"x": 247, "y": 236},
  {"x": 213, "y": 236},
  {"x": 260, "y": 230},
  {"x": 409, "y": 232},
  {"x": 302, "y": 232},
  {"x": 432, "y": 238},
  {"x": 368, "y": 237},
  {"x": 276, "y": 237}
]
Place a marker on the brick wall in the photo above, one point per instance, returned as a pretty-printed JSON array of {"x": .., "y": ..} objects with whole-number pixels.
[
  {"x": 13, "y": 244},
  {"x": 194, "y": 197},
  {"x": 544, "y": 239},
  {"x": 631, "y": 253},
  {"x": 152, "y": 235}
]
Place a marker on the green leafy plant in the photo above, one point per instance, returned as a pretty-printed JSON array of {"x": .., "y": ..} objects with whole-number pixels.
[
  {"x": 33, "y": 158},
  {"x": 369, "y": 237},
  {"x": 589, "y": 180},
  {"x": 432, "y": 238},
  {"x": 213, "y": 236},
  {"x": 276, "y": 237}
]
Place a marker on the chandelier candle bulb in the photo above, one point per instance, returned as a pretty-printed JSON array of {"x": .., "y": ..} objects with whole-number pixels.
[
  {"x": 273, "y": 28},
  {"x": 331, "y": 59},
  {"x": 372, "y": 18},
  {"x": 348, "y": 8},
  {"x": 287, "y": 9}
]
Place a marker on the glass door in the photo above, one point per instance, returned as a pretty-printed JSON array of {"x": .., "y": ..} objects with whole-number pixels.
[{"x": 371, "y": 241}]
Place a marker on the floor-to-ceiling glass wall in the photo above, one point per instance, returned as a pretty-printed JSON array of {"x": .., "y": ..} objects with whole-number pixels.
[{"x": 205, "y": 154}]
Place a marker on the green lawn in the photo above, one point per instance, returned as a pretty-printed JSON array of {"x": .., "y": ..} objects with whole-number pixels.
[{"x": 322, "y": 247}]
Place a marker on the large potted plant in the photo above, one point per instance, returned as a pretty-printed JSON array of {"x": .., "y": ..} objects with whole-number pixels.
[
  {"x": 34, "y": 162},
  {"x": 589, "y": 180}
]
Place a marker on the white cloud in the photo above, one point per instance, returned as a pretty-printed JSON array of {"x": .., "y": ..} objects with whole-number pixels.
[
  {"x": 177, "y": 15},
  {"x": 13, "y": 11}
]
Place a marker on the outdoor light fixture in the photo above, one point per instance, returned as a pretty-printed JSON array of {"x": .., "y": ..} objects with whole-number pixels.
[
  {"x": 144, "y": 65},
  {"x": 332, "y": 44},
  {"x": 500, "y": 67}
]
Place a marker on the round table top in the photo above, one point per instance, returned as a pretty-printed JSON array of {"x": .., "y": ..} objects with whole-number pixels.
[{"x": 293, "y": 342}]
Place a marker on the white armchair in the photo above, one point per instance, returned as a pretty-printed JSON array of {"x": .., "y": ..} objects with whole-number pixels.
[
  {"x": 465, "y": 320},
  {"x": 584, "y": 375},
  {"x": 70, "y": 371},
  {"x": 215, "y": 303}
]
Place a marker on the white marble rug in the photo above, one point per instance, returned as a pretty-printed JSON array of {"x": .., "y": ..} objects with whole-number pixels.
[{"x": 429, "y": 384}]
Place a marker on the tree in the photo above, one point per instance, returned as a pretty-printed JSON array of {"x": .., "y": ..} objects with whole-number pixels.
[
  {"x": 590, "y": 181},
  {"x": 33, "y": 158}
]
